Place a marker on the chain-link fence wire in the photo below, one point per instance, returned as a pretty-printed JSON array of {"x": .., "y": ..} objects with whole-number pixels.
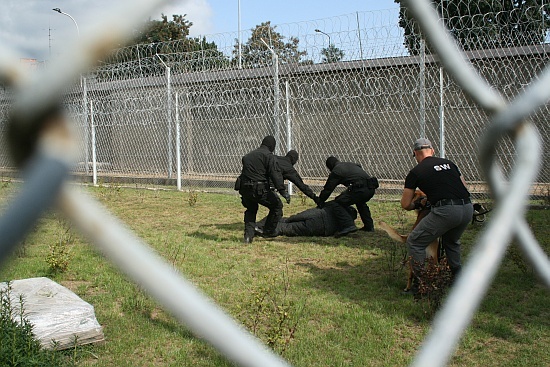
[
  {"x": 344, "y": 108},
  {"x": 159, "y": 109}
]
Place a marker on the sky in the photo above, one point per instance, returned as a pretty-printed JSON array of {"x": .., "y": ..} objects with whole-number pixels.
[{"x": 31, "y": 29}]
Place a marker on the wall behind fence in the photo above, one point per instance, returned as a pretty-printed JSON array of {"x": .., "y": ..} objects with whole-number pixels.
[{"x": 135, "y": 118}]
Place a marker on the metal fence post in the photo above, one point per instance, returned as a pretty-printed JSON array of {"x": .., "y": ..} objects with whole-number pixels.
[
  {"x": 178, "y": 144},
  {"x": 288, "y": 126},
  {"x": 168, "y": 114},
  {"x": 94, "y": 156},
  {"x": 422, "y": 87},
  {"x": 441, "y": 115},
  {"x": 85, "y": 118}
]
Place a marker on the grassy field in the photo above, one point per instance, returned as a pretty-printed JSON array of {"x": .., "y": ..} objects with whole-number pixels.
[{"x": 316, "y": 301}]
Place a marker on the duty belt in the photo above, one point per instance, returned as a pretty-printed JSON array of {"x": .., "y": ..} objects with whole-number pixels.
[
  {"x": 371, "y": 183},
  {"x": 453, "y": 202},
  {"x": 254, "y": 183}
]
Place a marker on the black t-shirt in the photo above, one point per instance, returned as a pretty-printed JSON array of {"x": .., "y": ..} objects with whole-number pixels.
[{"x": 438, "y": 178}]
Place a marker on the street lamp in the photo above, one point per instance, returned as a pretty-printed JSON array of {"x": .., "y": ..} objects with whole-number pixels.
[
  {"x": 60, "y": 12},
  {"x": 326, "y": 34},
  {"x": 240, "y": 42},
  {"x": 84, "y": 92}
]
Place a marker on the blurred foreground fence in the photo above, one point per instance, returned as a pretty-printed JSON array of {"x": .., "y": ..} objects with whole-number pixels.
[{"x": 154, "y": 114}]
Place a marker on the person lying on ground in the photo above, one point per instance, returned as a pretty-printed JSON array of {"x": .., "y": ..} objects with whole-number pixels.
[{"x": 310, "y": 222}]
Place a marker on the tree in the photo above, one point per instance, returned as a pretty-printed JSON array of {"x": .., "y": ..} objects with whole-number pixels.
[
  {"x": 255, "y": 53},
  {"x": 332, "y": 54},
  {"x": 156, "y": 31},
  {"x": 202, "y": 55},
  {"x": 482, "y": 24},
  {"x": 168, "y": 37}
]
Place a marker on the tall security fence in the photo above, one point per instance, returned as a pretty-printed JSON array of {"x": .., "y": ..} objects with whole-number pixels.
[{"x": 160, "y": 114}]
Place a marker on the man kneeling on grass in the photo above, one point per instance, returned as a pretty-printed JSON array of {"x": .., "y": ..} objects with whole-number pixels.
[{"x": 311, "y": 222}]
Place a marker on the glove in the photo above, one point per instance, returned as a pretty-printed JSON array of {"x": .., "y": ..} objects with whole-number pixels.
[{"x": 287, "y": 197}]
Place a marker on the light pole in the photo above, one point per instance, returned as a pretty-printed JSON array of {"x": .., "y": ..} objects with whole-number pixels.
[
  {"x": 74, "y": 21},
  {"x": 239, "y": 21},
  {"x": 275, "y": 59},
  {"x": 327, "y": 51},
  {"x": 326, "y": 34},
  {"x": 84, "y": 96}
]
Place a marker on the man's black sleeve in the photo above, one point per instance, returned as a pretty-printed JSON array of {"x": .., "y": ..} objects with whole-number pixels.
[
  {"x": 275, "y": 174},
  {"x": 295, "y": 178},
  {"x": 333, "y": 180}
]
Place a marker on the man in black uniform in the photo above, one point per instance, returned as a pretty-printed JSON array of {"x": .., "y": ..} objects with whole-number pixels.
[
  {"x": 360, "y": 189},
  {"x": 260, "y": 170},
  {"x": 286, "y": 164},
  {"x": 311, "y": 222},
  {"x": 451, "y": 208}
]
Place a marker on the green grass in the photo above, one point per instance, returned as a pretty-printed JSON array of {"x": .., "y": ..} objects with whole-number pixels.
[{"x": 340, "y": 298}]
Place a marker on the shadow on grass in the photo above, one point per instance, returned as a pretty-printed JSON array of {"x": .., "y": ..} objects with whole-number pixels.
[
  {"x": 221, "y": 232},
  {"x": 234, "y": 232},
  {"x": 239, "y": 226},
  {"x": 515, "y": 299},
  {"x": 357, "y": 239},
  {"x": 359, "y": 282}
]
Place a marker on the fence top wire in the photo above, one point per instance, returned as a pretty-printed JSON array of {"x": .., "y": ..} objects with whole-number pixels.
[{"x": 364, "y": 35}]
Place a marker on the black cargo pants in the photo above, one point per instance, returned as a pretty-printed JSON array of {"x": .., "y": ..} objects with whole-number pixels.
[{"x": 253, "y": 195}]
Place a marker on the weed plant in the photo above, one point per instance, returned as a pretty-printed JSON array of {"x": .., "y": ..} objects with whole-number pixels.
[
  {"x": 302, "y": 197},
  {"x": 270, "y": 314},
  {"x": 435, "y": 279},
  {"x": 396, "y": 253},
  {"x": 60, "y": 251},
  {"x": 18, "y": 346},
  {"x": 193, "y": 197}
]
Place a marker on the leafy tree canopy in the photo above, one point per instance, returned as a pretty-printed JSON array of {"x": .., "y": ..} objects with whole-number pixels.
[
  {"x": 332, "y": 54},
  {"x": 256, "y": 53},
  {"x": 164, "y": 30}
]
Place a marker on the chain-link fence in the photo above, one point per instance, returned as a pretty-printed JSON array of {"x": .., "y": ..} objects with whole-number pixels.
[{"x": 158, "y": 114}]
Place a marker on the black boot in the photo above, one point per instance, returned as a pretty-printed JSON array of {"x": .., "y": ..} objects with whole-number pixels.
[{"x": 249, "y": 232}]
